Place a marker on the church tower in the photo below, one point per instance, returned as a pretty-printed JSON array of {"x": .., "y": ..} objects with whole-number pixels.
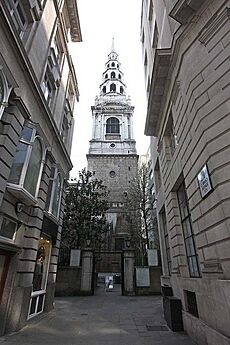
[{"x": 112, "y": 153}]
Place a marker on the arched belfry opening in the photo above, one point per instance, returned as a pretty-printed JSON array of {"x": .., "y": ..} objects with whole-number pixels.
[
  {"x": 112, "y": 126},
  {"x": 113, "y": 87}
]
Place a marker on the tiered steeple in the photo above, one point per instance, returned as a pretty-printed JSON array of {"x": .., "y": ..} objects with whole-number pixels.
[{"x": 112, "y": 113}]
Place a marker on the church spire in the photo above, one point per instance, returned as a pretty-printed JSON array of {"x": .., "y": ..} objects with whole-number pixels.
[
  {"x": 112, "y": 88},
  {"x": 112, "y": 47}
]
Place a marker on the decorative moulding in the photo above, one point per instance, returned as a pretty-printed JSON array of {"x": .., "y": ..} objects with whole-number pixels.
[
  {"x": 213, "y": 25},
  {"x": 184, "y": 9}
]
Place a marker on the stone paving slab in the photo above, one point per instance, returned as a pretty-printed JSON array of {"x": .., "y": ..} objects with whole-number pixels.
[{"x": 103, "y": 319}]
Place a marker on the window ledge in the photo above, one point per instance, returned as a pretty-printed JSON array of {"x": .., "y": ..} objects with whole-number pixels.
[
  {"x": 9, "y": 245},
  {"x": 21, "y": 194},
  {"x": 184, "y": 9},
  {"x": 52, "y": 217},
  {"x": 157, "y": 89}
]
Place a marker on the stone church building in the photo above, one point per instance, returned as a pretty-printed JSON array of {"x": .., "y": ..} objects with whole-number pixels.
[{"x": 112, "y": 154}]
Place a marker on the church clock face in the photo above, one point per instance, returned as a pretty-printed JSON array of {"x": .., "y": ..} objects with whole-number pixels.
[
  {"x": 112, "y": 173},
  {"x": 112, "y": 145}
]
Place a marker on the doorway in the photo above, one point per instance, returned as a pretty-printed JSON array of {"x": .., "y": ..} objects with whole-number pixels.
[
  {"x": 4, "y": 264},
  {"x": 108, "y": 272},
  {"x": 40, "y": 277}
]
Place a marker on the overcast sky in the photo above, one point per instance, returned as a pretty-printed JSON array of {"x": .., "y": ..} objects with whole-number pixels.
[{"x": 101, "y": 20}]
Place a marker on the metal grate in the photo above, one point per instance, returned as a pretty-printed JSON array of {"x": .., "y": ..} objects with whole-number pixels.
[{"x": 156, "y": 328}]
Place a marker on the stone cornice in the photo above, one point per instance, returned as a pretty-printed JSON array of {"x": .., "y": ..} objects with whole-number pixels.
[
  {"x": 184, "y": 9},
  {"x": 157, "y": 89},
  {"x": 75, "y": 29},
  {"x": 214, "y": 25}
]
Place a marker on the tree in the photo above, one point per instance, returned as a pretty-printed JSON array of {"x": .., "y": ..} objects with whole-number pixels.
[
  {"x": 84, "y": 214},
  {"x": 140, "y": 202}
]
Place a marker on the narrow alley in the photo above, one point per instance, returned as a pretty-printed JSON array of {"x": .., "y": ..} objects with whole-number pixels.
[{"x": 104, "y": 319}]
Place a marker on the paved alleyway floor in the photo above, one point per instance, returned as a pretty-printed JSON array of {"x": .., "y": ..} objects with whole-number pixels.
[{"x": 107, "y": 318}]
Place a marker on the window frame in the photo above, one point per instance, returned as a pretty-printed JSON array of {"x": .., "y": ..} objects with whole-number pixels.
[
  {"x": 110, "y": 125},
  {"x": 166, "y": 241},
  {"x": 20, "y": 185},
  {"x": 7, "y": 239},
  {"x": 189, "y": 241},
  {"x": 15, "y": 15},
  {"x": 6, "y": 89},
  {"x": 53, "y": 183},
  {"x": 46, "y": 81}
]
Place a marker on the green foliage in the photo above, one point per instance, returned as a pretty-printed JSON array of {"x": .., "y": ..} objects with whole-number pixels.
[{"x": 84, "y": 215}]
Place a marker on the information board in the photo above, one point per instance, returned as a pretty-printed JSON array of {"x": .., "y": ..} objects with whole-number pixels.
[
  {"x": 142, "y": 277},
  {"x": 75, "y": 256}
]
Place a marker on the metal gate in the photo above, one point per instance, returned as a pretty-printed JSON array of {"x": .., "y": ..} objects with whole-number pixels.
[{"x": 108, "y": 262}]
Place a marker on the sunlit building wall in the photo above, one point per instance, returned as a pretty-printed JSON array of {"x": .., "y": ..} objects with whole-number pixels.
[{"x": 38, "y": 90}]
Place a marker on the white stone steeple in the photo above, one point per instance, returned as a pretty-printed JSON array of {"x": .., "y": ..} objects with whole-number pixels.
[{"x": 112, "y": 113}]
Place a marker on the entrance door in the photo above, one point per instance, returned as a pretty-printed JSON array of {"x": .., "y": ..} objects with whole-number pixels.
[
  {"x": 40, "y": 277},
  {"x": 4, "y": 263}
]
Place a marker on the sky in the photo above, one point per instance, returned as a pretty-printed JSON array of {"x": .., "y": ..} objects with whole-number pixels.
[{"x": 100, "y": 21}]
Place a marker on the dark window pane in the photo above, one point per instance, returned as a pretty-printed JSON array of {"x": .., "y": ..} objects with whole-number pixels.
[
  {"x": 8, "y": 228},
  {"x": 57, "y": 195},
  {"x": 18, "y": 163},
  {"x": 33, "y": 169},
  {"x": 33, "y": 305},
  {"x": 21, "y": 14},
  {"x": 1, "y": 90},
  {"x": 40, "y": 303},
  {"x": 27, "y": 133}
]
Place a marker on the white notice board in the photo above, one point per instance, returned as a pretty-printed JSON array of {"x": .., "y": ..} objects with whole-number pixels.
[
  {"x": 152, "y": 257},
  {"x": 142, "y": 277},
  {"x": 75, "y": 256}
]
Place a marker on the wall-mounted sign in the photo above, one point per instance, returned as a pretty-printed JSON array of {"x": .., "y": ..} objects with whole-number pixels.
[
  {"x": 75, "y": 256},
  {"x": 142, "y": 277},
  {"x": 204, "y": 181},
  {"x": 152, "y": 257}
]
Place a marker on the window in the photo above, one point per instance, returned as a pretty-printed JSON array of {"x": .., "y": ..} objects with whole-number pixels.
[
  {"x": 54, "y": 192},
  {"x": 121, "y": 89},
  {"x": 150, "y": 10},
  {"x": 155, "y": 37},
  {"x": 112, "y": 125},
  {"x": 145, "y": 63},
  {"x": 170, "y": 137},
  {"x": 113, "y": 64},
  {"x": 18, "y": 15},
  {"x": 157, "y": 174},
  {"x": 66, "y": 123},
  {"x": 58, "y": 50},
  {"x": 113, "y": 75},
  {"x": 119, "y": 76},
  {"x": 4, "y": 91},
  {"x": 48, "y": 87},
  {"x": 191, "y": 303},
  {"x": 104, "y": 89},
  {"x": 190, "y": 247},
  {"x": 27, "y": 165},
  {"x": 166, "y": 238},
  {"x": 106, "y": 76},
  {"x": 113, "y": 87},
  {"x": 8, "y": 229}
]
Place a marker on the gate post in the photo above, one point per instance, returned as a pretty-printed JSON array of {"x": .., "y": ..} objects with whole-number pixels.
[
  {"x": 87, "y": 271},
  {"x": 129, "y": 261}
]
